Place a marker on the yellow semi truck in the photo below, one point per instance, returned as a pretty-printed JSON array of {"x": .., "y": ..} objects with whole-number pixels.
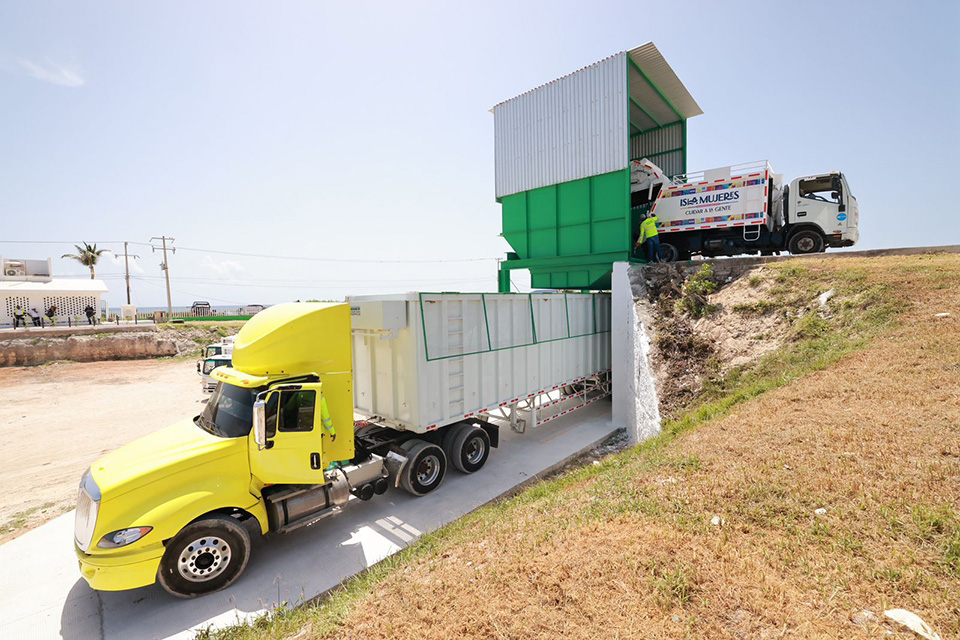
[{"x": 278, "y": 446}]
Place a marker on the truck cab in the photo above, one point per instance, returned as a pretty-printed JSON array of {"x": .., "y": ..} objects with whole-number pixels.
[
  {"x": 206, "y": 366},
  {"x": 274, "y": 449},
  {"x": 821, "y": 212}
]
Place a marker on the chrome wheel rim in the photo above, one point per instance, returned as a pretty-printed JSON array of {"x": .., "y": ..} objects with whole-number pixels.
[
  {"x": 475, "y": 450},
  {"x": 204, "y": 559},
  {"x": 428, "y": 470}
]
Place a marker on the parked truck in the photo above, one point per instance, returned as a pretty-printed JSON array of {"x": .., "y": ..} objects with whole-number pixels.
[
  {"x": 431, "y": 377},
  {"x": 218, "y": 354},
  {"x": 745, "y": 209}
]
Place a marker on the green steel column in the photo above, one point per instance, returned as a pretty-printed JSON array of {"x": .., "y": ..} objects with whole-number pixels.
[
  {"x": 503, "y": 280},
  {"x": 683, "y": 133}
]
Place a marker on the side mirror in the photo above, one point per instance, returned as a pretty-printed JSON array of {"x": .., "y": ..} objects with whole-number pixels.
[
  {"x": 835, "y": 195},
  {"x": 260, "y": 421}
]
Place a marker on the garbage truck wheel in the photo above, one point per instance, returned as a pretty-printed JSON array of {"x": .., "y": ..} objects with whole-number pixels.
[
  {"x": 806, "y": 241},
  {"x": 206, "y": 556},
  {"x": 425, "y": 469},
  {"x": 670, "y": 252}
]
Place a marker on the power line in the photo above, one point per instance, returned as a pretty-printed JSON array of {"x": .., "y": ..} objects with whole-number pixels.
[
  {"x": 336, "y": 260},
  {"x": 277, "y": 281},
  {"x": 272, "y": 257}
]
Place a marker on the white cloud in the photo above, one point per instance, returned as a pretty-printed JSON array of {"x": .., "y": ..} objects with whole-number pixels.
[
  {"x": 53, "y": 73},
  {"x": 117, "y": 261},
  {"x": 223, "y": 268}
]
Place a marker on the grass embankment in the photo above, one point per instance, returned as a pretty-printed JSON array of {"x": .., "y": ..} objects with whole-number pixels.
[{"x": 712, "y": 529}]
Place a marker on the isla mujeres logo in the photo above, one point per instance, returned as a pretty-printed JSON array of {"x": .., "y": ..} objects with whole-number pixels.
[{"x": 710, "y": 198}]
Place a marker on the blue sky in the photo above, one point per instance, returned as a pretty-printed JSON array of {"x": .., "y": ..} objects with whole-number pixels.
[{"x": 361, "y": 131}]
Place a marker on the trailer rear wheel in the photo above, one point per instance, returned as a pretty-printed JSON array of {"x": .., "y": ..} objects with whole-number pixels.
[
  {"x": 206, "y": 556},
  {"x": 467, "y": 446},
  {"x": 425, "y": 469},
  {"x": 806, "y": 241}
]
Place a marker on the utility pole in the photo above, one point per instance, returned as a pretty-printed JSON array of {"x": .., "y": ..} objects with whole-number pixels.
[
  {"x": 126, "y": 264},
  {"x": 166, "y": 269}
]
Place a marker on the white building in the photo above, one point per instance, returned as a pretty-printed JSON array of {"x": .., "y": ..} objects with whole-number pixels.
[{"x": 28, "y": 283}]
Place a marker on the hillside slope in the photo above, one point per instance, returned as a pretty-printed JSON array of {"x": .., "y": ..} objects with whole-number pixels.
[{"x": 714, "y": 529}]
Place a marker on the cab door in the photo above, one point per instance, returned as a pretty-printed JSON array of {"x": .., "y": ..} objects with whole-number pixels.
[
  {"x": 291, "y": 451},
  {"x": 818, "y": 201}
]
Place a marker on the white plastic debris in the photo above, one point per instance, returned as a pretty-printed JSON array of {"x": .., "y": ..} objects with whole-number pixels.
[
  {"x": 913, "y": 622},
  {"x": 863, "y": 618},
  {"x": 820, "y": 512},
  {"x": 717, "y": 521},
  {"x": 941, "y": 315},
  {"x": 825, "y": 296}
]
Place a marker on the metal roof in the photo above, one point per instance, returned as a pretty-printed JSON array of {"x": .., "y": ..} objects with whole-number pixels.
[
  {"x": 661, "y": 96},
  {"x": 647, "y": 61}
]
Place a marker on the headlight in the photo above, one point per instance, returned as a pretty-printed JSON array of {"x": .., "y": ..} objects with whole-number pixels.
[
  {"x": 88, "y": 506},
  {"x": 123, "y": 537}
]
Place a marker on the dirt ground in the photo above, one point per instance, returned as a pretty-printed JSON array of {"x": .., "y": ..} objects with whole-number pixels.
[{"x": 56, "y": 419}]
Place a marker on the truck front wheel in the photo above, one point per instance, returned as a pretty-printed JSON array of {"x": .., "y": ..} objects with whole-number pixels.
[
  {"x": 425, "y": 467},
  {"x": 206, "y": 556},
  {"x": 805, "y": 241},
  {"x": 467, "y": 446}
]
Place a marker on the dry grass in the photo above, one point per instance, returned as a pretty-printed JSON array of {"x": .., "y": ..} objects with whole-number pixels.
[{"x": 628, "y": 550}]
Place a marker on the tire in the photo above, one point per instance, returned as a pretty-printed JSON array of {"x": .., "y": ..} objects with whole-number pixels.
[
  {"x": 206, "y": 556},
  {"x": 670, "y": 252},
  {"x": 426, "y": 467},
  {"x": 805, "y": 241},
  {"x": 467, "y": 446}
]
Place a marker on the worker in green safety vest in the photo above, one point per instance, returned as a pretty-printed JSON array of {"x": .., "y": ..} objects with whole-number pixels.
[
  {"x": 650, "y": 238},
  {"x": 326, "y": 420}
]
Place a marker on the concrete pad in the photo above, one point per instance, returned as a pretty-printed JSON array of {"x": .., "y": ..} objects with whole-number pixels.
[{"x": 43, "y": 596}]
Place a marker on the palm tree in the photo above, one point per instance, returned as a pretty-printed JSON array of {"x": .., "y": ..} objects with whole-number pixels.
[{"x": 88, "y": 256}]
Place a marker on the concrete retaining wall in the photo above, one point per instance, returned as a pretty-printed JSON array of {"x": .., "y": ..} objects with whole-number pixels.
[{"x": 635, "y": 401}]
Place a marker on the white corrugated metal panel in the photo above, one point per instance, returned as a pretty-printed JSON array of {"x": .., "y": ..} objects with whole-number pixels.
[
  {"x": 571, "y": 128},
  {"x": 459, "y": 354},
  {"x": 655, "y": 67},
  {"x": 663, "y": 147}
]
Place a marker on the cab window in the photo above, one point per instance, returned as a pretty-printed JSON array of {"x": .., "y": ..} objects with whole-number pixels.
[
  {"x": 821, "y": 189},
  {"x": 290, "y": 411}
]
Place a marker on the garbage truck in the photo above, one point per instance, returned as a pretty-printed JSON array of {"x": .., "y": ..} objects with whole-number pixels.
[
  {"x": 325, "y": 404},
  {"x": 745, "y": 209}
]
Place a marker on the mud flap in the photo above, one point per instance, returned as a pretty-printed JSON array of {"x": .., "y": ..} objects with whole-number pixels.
[{"x": 395, "y": 463}]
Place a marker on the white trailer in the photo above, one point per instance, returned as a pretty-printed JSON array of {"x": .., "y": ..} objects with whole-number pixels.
[
  {"x": 423, "y": 361},
  {"x": 744, "y": 209}
]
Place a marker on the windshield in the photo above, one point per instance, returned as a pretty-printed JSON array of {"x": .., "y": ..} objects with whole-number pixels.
[
  {"x": 229, "y": 412},
  {"x": 212, "y": 363}
]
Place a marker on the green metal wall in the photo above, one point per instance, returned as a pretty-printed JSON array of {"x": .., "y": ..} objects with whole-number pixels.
[{"x": 575, "y": 230}]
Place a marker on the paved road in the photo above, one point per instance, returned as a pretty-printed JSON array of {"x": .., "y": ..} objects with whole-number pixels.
[{"x": 43, "y": 596}]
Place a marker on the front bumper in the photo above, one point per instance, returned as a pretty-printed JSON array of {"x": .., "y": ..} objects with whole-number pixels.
[{"x": 122, "y": 571}]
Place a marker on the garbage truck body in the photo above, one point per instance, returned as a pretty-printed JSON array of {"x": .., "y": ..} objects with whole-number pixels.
[
  {"x": 745, "y": 209},
  {"x": 432, "y": 377}
]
